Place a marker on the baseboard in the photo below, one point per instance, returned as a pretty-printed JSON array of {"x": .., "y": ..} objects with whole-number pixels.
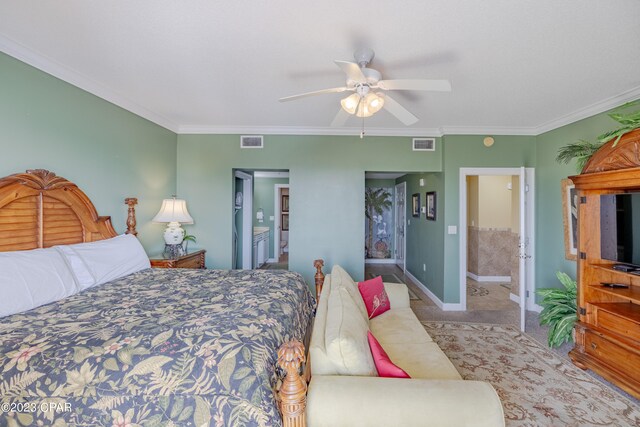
[
  {"x": 272, "y": 260},
  {"x": 531, "y": 306},
  {"x": 488, "y": 278},
  {"x": 534, "y": 307},
  {"x": 437, "y": 301},
  {"x": 379, "y": 261}
]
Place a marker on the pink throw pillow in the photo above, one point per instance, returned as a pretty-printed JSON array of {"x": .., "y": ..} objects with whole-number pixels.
[
  {"x": 375, "y": 297},
  {"x": 384, "y": 365}
]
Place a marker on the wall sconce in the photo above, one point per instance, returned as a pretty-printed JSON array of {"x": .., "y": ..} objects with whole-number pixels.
[{"x": 260, "y": 215}]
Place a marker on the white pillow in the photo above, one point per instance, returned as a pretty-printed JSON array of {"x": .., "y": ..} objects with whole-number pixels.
[
  {"x": 29, "y": 279},
  {"x": 95, "y": 263},
  {"x": 345, "y": 335}
]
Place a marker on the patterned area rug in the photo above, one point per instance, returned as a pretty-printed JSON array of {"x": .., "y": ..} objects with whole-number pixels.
[
  {"x": 476, "y": 290},
  {"x": 537, "y": 388}
]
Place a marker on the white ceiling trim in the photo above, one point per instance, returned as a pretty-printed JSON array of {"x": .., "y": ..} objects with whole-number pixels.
[
  {"x": 298, "y": 130},
  {"x": 49, "y": 66},
  {"x": 591, "y": 110}
]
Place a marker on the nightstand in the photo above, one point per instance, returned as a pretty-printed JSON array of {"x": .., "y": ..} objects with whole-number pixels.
[{"x": 190, "y": 260}]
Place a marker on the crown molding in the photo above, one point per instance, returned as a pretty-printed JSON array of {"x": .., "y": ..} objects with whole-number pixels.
[
  {"x": 303, "y": 130},
  {"x": 589, "y": 111},
  {"x": 487, "y": 130},
  {"x": 49, "y": 66}
]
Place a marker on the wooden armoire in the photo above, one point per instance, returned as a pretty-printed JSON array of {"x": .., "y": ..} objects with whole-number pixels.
[{"x": 608, "y": 327}]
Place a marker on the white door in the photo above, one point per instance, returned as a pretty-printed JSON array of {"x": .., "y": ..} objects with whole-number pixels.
[
  {"x": 522, "y": 254},
  {"x": 526, "y": 243},
  {"x": 401, "y": 195}
]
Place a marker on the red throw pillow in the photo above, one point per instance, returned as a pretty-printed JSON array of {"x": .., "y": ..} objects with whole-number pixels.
[
  {"x": 384, "y": 365},
  {"x": 375, "y": 297}
]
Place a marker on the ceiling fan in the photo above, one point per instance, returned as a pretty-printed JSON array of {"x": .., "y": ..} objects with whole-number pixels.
[{"x": 369, "y": 89}]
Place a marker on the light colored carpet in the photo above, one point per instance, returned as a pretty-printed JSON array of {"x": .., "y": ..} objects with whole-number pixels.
[{"x": 536, "y": 387}]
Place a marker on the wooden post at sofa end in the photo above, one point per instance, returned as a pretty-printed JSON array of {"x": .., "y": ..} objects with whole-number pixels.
[
  {"x": 318, "y": 264},
  {"x": 131, "y": 215},
  {"x": 293, "y": 391}
]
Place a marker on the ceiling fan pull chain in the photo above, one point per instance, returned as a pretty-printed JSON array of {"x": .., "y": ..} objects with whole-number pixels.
[{"x": 362, "y": 132}]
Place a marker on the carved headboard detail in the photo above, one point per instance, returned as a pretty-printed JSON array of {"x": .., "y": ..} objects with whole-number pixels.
[{"x": 39, "y": 209}]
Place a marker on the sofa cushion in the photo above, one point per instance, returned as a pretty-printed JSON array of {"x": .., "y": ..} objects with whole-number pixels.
[
  {"x": 345, "y": 335},
  {"x": 398, "y": 326},
  {"x": 340, "y": 278},
  {"x": 422, "y": 360},
  {"x": 384, "y": 365},
  {"x": 374, "y": 296}
]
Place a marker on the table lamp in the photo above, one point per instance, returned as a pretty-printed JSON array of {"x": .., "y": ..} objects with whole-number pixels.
[{"x": 173, "y": 212}]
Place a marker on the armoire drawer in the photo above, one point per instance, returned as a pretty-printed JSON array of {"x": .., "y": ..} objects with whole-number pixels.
[{"x": 608, "y": 352}]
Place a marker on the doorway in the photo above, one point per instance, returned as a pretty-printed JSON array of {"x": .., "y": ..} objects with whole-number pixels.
[
  {"x": 401, "y": 245},
  {"x": 516, "y": 186},
  {"x": 242, "y": 254},
  {"x": 271, "y": 206}
]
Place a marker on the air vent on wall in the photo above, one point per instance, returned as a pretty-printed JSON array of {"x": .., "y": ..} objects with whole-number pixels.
[
  {"x": 424, "y": 144},
  {"x": 251, "y": 141}
]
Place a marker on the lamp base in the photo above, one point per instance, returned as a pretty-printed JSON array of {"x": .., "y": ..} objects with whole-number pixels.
[
  {"x": 172, "y": 251},
  {"x": 173, "y": 234}
]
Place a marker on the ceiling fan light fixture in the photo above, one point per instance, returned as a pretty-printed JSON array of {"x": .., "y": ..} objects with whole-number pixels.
[{"x": 350, "y": 103}]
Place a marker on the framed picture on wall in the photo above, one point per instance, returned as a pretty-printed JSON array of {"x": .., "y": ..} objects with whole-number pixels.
[
  {"x": 570, "y": 219},
  {"x": 285, "y": 222},
  {"x": 415, "y": 205},
  {"x": 431, "y": 205},
  {"x": 285, "y": 203}
]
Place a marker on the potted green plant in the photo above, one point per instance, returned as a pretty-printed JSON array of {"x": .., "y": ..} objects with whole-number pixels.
[
  {"x": 185, "y": 241},
  {"x": 559, "y": 310},
  {"x": 583, "y": 150}
]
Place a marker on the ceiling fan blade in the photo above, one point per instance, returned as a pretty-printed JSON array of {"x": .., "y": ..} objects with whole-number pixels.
[
  {"x": 317, "y": 92},
  {"x": 340, "y": 119},
  {"x": 352, "y": 70},
  {"x": 415, "y": 84},
  {"x": 401, "y": 113}
]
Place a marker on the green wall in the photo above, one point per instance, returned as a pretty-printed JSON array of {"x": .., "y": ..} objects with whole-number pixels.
[
  {"x": 549, "y": 229},
  {"x": 264, "y": 197},
  {"x": 468, "y": 151},
  {"x": 425, "y": 239},
  {"x": 109, "y": 152},
  {"x": 326, "y": 178}
]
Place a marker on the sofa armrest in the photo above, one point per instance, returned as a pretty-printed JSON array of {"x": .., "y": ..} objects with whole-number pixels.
[
  {"x": 373, "y": 401},
  {"x": 398, "y": 295}
]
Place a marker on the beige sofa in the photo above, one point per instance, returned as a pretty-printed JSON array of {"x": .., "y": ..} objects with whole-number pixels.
[{"x": 345, "y": 389}]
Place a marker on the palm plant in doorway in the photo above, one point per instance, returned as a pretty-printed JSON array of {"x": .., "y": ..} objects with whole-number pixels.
[
  {"x": 559, "y": 310},
  {"x": 376, "y": 201}
]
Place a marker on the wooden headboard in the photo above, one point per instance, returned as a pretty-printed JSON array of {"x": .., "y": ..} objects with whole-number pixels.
[{"x": 39, "y": 209}]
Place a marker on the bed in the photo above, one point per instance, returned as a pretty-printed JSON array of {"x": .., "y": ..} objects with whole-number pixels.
[{"x": 158, "y": 347}]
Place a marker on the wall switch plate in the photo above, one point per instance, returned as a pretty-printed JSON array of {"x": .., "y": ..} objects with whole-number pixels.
[
  {"x": 421, "y": 182},
  {"x": 408, "y": 222},
  {"x": 423, "y": 209},
  {"x": 424, "y": 267},
  {"x": 452, "y": 229},
  {"x": 272, "y": 218}
]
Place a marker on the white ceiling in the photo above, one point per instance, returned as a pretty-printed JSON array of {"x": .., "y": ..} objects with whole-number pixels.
[{"x": 213, "y": 66}]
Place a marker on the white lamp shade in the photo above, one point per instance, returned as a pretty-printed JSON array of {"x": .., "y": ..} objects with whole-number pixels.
[{"x": 173, "y": 210}]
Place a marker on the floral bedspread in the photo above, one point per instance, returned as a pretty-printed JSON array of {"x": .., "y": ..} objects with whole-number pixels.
[{"x": 161, "y": 347}]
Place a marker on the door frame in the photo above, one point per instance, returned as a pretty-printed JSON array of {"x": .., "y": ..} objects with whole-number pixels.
[
  {"x": 278, "y": 213},
  {"x": 247, "y": 218},
  {"x": 403, "y": 187},
  {"x": 527, "y": 300}
]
